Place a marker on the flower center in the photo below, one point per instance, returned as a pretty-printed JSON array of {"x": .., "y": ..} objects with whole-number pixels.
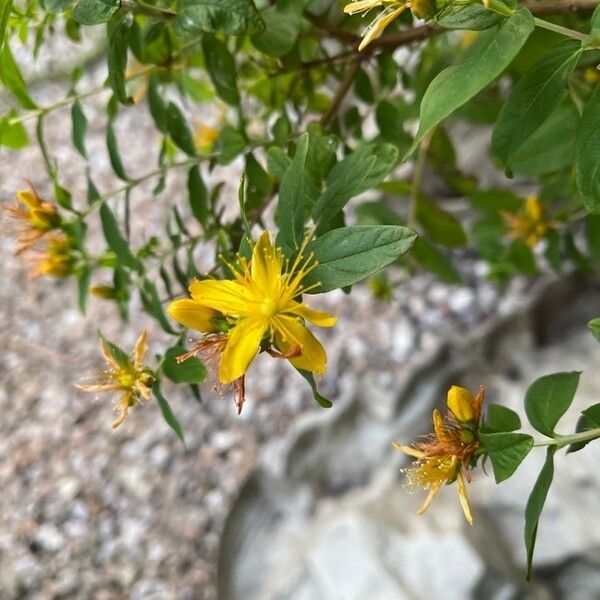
[{"x": 268, "y": 307}]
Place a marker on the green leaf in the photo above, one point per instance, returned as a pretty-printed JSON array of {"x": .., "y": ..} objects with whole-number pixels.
[
  {"x": 116, "y": 242},
  {"x": 351, "y": 254},
  {"x": 154, "y": 306},
  {"x": 594, "y": 327},
  {"x": 83, "y": 286},
  {"x": 198, "y": 196},
  {"x": 483, "y": 62},
  {"x": 118, "y": 31},
  {"x": 122, "y": 358},
  {"x": 501, "y": 418},
  {"x": 362, "y": 170},
  {"x": 534, "y": 98},
  {"x": 496, "y": 200},
  {"x": 321, "y": 400},
  {"x": 258, "y": 184},
  {"x": 592, "y": 236},
  {"x": 230, "y": 144},
  {"x": 590, "y": 419},
  {"x": 56, "y": 6},
  {"x": 179, "y": 130},
  {"x": 156, "y": 104},
  {"x": 548, "y": 398},
  {"x": 94, "y": 12},
  {"x": 221, "y": 68},
  {"x": 291, "y": 208},
  {"x": 231, "y": 17},
  {"x": 167, "y": 413},
  {"x": 474, "y": 17},
  {"x": 79, "y": 127},
  {"x": 521, "y": 255},
  {"x": 535, "y": 504},
  {"x": 587, "y": 151},
  {"x": 431, "y": 259},
  {"x": 12, "y": 136},
  {"x": 551, "y": 147},
  {"x": 113, "y": 152},
  {"x": 279, "y": 36},
  {"x": 12, "y": 79},
  {"x": 5, "y": 10},
  {"x": 442, "y": 227},
  {"x": 189, "y": 371},
  {"x": 506, "y": 451}
]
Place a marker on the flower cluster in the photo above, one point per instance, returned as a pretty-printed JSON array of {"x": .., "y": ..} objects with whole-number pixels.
[
  {"x": 257, "y": 310},
  {"x": 447, "y": 454},
  {"x": 531, "y": 224},
  {"x": 125, "y": 374}
]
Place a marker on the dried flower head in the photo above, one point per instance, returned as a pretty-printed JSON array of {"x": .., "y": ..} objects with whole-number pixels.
[
  {"x": 449, "y": 452},
  {"x": 56, "y": 258}
]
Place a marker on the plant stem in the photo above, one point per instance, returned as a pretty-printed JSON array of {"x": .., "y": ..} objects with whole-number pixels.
[
  {"x": 417, "y": 178},
  {"x": 560, "y": 441},
  {"x": 576, "y": 35}
]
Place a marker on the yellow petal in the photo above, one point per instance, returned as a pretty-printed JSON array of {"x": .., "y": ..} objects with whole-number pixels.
[
  {"x": 141, "y": 346},
  {"x": 228, "y": 297},
  {"x": 361, "y": 5},
  {"x": 322, "y": 319},
  {"x": 290, "y": 332},
  {"x": 265, "y": 267},
  {"x": 243, "y": 342},
  {"x": 379, "y": 24},
  {"x": 460, "y": 403},
  {"x": 464, "y": 499},
  {"x": 193, "y": 315},
  {"x": 29, "y": 198},
  {"x": 534, "y": 208},
  {"x": 108, "y": 355},
  {"x": 408, "y": 450},
  {"x": 433, "y": 492}
]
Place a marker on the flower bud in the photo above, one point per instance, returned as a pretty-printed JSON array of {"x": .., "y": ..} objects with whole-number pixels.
[{"x": 460, "y": 403}]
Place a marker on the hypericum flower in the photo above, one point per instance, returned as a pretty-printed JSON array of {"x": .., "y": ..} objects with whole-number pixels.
[
  {"x": 449, "y": 452},
  {"x": 38, "y": 216},
  {"x": 57, "y": 259},
  {"x": 125, "y": 374},
  {"x": 531, "y": 224},
  {"x": 205, "y": 136},
  {"x": 256, "y": 311}
]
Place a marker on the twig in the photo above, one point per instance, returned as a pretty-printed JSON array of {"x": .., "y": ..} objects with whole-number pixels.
[{"x": 341, "y": 93}]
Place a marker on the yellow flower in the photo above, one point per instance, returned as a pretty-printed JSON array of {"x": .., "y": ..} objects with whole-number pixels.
[
  {"x": 392, "y": 10},
  {"x": 531, "y": 224},
  {"x": 57, "y": 259},
  {"x": 126, "y": 375},
  {"x": 449, "y": 451},
  {"x": 38, "y": 216},
  {"x": 205, "y": 136},
  {"x": 257, "y": 310}
]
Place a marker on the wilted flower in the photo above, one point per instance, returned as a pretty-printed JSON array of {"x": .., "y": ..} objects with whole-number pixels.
[
  {"x": 38, "y": 216},
  {"x": 449, "y": 452},
  {"x": 56, "y": 259},
  {"x": 257, "y": 310},
  {"x": 529, "y": 225},
  {"x": 125, "y": 374}
]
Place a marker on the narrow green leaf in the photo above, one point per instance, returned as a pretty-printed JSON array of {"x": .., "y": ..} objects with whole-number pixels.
[
  {"x": 154, "y": 306},
  {"x": 179, "y": 130},
  {"x": 362, "y": 170},
  {"x": 156, "y": 104},
  {"x": 189, "y": 371},
  {"x": 535, "y": 504},
  {"x": 116, "y": 242},
  {"x": 198, "y": 196},
  {"x": 11, "y": 77},
  {"x": 594, "y": 327},
  {"x": 348, "y": 255},
  {"x": 431, "y": 259},
  {"x": 310, "y": 378},
  {"x": 534, "y": 98},
  {"x": 83, "y": 286},
  {"x": 291, "y": 209},
  {"x": 548, "y": 398},
  {"x": 5, "y": 10},
  {"x": 118, "y": 32},
  {"x": 94, "y": 12},
  {"x": 170, "y": 419},
  {"x": 587, "y": 151},
  {"x": 221, "y": 68},
  {"x": 590, "y": 419},
  {"x": 79, "y": 123},
  {"x": 501, "y": 418},
  {"x": 506, "y": 451},
  {"x": 231, "y": 17},
  {"x": 117, "y": 352},
  {"x": 474, "y": 17},
  {"x": 442, "y": 227},
  {"x": 113, "y": 152},
  {"x": 12, "y": 136},
  {"x": 230, "y": 144},
  {"x": 483, "y": 62}
]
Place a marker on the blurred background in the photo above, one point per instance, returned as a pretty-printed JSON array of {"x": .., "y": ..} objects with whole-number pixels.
[{"x": 288, "y": 500}]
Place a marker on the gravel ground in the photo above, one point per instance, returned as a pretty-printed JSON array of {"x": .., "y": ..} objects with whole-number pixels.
[{"x": 86, "y": 512}]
